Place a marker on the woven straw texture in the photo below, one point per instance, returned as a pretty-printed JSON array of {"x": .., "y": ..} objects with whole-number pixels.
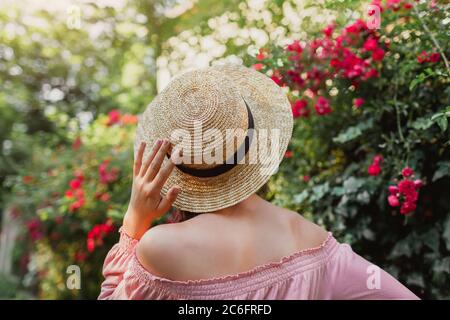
[{"x": 214, "y": 97}]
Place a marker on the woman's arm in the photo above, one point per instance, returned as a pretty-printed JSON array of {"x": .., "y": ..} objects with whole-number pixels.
[
  {"x": 114, "y": 268},
  {"x": 353, "y": 278},
  {"x": 146, "y": 204}
]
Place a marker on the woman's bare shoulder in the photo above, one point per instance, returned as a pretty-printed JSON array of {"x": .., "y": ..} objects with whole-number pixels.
[
  {"x": 160, "y": 248},
  {"x": 174, "y": 251},
  {"x": 308, "y": 233}
]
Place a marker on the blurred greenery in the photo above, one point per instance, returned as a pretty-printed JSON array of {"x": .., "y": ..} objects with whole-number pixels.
[{"x": 69, "y": 96}]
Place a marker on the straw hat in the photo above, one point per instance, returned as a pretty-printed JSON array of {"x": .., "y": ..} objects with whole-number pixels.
[{"x": 227, "y": 108}]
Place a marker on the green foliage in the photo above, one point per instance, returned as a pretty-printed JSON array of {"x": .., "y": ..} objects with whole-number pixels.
[
  {"x": 405, "y": 119},
  {"x": 60, "y": 234}
]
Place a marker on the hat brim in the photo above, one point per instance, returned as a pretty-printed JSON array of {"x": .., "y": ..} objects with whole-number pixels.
[{"x": 270, "y": 109}]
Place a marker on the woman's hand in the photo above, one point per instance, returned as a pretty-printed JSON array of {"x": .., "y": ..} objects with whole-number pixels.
[{"x": 146, "y": 203}]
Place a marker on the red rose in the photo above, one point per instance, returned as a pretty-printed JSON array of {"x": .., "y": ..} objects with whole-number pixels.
[
  {"x": 277, "y": 80},
  {"x": 374, "y": 169},
  {"x": 371, "y": 73},
  {"x": 378, "y": 54},
  {"x": 407, "y": 6},
  {"x": 407, "y": 207},
  {"x": 77, "y": 205},
  {"x": 322, "y": 106},
  {"x": 407, "y": 172},
  {"x": 335, "y": 63},
  {"x": 34, "y": 229},
  {"x": 113, "y": 117},
  {"x": 422, "y": 57},
  {"x": 358, "y": 102},
  {"x": 328, "y": 31},
  {"x": 75, "y": 183},
  {"x": 418, "y": 183},
  {"x": 356, "y": 27},
  {"x": 295, "y": 46},
  {"x": 393, "y": 201},
  {"x": 300, "y": 109},
  {"x": 370, "y": 44},
  {"x": 378, "y": 159},
  {"x": 412, "y": 196},
  {"x": 90, "y": 244},
  {"x": 393, "y": 190},
  {"x": 288, "y": 154},
  {"x": 69, "y": 194},
  {"x": 435, "y": 57},
  {"x": 258, "y": 66},
  {"x": 260, "y": 56},
  {"x": 406, "y": 187}
]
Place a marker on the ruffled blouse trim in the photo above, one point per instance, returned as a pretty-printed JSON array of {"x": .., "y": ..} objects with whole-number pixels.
[
  {"x": 126, "y": 243},
  {"x": 256, "y": 278}
]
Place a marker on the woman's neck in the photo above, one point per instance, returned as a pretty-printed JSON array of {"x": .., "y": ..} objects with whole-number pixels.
[{"x": 252, "y": 204}]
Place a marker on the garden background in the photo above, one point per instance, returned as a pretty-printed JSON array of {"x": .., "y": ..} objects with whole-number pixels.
[{"x": 369, "y": 158}]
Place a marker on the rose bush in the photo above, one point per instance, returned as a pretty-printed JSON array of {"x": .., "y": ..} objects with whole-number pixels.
[
  {"x": 371, "y": 109},
  {"x": 71, "y": 201}
]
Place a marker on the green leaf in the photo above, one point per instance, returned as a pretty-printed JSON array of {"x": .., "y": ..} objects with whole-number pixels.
[
  {"x": 354, "y": 132},
  {"x": 352, "y": 184},
  {"x": 415, "y": 279},
  {"x": 437, "y": 115},
  {"x": 363, "y": 197},
  {"x": 420, "y": 78},
  {"x": 442, "y": 265},
  {"x": 348, "y": 135},
  {"x": 319, "y": 191},
  {"x": 299, "y": 198},
  {"x": 401, "y": 248},
  {"x": 442, "y": 170},
  {"x": 338, "y": 191},
  {"x": 443, "y": 123},
  {"x": 413, "y": 84},
  {"x": 431, "y": 239},
  {"x": 422, "y": 123},
  {"x": 369, "y": 234}
]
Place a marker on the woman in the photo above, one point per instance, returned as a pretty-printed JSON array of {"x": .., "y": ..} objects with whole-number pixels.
[{"x": 237, "y": 245}]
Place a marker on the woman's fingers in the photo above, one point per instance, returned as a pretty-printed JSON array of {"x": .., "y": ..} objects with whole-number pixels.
[
  {"x": 155, "y": 164},
  {"x": 166, "y": 202},
  {"x": 156, "y": 147},
  {"x": 138, "y": 160},
  {"x": 164, "y": 173}
]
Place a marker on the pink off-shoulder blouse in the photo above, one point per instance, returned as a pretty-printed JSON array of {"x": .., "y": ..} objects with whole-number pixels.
[{"x": 329, "y": 271}]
